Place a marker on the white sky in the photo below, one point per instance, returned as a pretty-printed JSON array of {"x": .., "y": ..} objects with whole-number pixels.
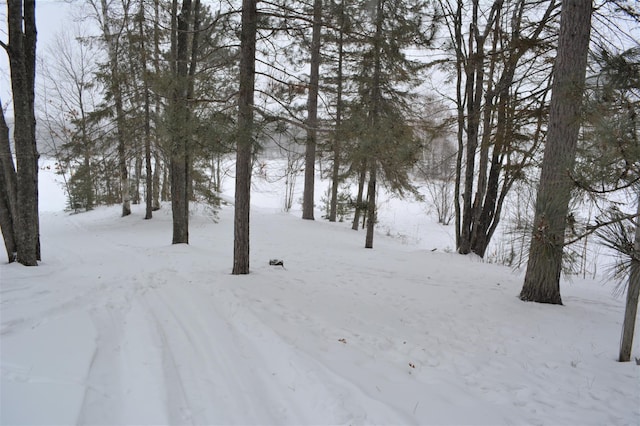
[{"x": 52, "y": 16}]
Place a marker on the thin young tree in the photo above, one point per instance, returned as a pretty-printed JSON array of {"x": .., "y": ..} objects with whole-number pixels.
[
  {"x": 245, "y": 137},
  {"x": 542, "y": 279}
]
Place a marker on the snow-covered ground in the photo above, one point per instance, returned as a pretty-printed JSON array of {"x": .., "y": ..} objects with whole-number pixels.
[{"x": 117, "y": 326}]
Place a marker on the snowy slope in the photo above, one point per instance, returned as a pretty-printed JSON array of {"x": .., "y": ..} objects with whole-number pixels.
[{"x": 117, "y": 326}]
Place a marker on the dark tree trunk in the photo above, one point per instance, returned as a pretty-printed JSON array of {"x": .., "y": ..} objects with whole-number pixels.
[
  {"x": 374, "y": 120},
  {"x": 245, "y": 137},
  {"x": 149, "y": 192},
  {"x": 371, "y": 206},
  {"x": 542, "y": 279},
  {"x": 474, "y": 70},
  {"x": 337, "y": 140},
  {"x": 159, "y": 165},
  {"x": 633, "y": 290},
  {"x": 179, "y": 174},
  {"x": 8, "y": 192},
  {"x": 22, "y": 61},
  {"x": 312, "y": 117}
]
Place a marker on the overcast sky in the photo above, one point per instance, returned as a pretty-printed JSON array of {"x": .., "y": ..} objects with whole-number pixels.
[{"x": 52, "y": 16}]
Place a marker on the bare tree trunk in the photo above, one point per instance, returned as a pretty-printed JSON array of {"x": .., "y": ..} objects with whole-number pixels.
[
  {"x": 312, "y": 117},
  {"x": 112, "y": 47},
  {"x": 245, "y": 137},
  {"x": 633, "y": 290},
  {"x": 542, "y": 279},
  {"x": 159, "y": 164},
  {"x": 374, "y": 120},
  {"x": 179, "y": 174},
  {"x": 337, "y": 141},
  {"x": 157, "y": 169},
  {"x": 149, "y": 192},
  {"x": 8, "y": 192},
  {"x": 22, "y": 61},
  {"x": 371, "y": 206},
  {"x": 359, "y": 197}
]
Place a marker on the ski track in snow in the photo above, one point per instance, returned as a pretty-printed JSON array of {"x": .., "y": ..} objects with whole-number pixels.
[{"x": 162, "y": 334}]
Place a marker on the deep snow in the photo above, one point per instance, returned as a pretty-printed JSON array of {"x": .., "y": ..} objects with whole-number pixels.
[{"x": 117, "y": 326}]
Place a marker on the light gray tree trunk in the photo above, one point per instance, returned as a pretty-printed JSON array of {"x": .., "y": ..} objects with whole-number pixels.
[
  {"x": 542, "y": 279},
  {"x": 116, "y": 89}
]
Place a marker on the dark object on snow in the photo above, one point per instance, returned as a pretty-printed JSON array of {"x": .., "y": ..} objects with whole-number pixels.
[{"x": 276, "y": 262}]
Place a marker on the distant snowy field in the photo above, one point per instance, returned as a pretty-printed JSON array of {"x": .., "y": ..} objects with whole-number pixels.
[{"x": 119, "y": 327}]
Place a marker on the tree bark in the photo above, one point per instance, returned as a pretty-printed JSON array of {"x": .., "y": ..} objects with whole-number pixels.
[
  {"x": 361, "y": 179},
  {"x": 542, "y": 279},
  {"x": 116, "y": 89},
  {"x": 633, "y": 290},
  {"x": 22, "y": 61},
  {"x": 337, "y": 140},
  {"x": 180, "y": 134},
  {"x": 8, "y": 192},
  {"x": 149, "y": 191},
  {"x": 245, "y": 137},
  {"x": 312, "y": 115},
  {"x": 371, "y": 206}
]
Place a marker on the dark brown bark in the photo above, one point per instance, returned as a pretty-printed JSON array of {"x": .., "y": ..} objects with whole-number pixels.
[
  {"x": 179, "y": 167},
  {"x": 312, "y": 115},
  {"x": 8, "y": 192},
  {"x": 22, "y": 59},
  {"x": 633, "y": 290},
  {"x": 371, "y": 206},
  {"x": 542, "y": 279},
  {"x": 374, "y": 120},
  {"x": 245, "y": 137}
]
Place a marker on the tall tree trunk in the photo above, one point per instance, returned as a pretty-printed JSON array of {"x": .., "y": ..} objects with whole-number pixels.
[
  {"x": 633, "y": 290},
  {"x": 460, "y": 119},
  {"x": 542, "y": 279},
  {"x": 180, "y": 134},
  {"x": 22, "y": 61},
  {"x": 159, "y": 163},
  {"x": 245, "y": 137},
  {"x": 149, "y": 192},
  {"x": 337, "y": 140},
  {"x": 8, "y": 192},
  {"x": 374, "y": 120},
  {"x": 116, "y": 90},
  {"x": 474, "y": 70},
  {"x": 312, "y": 117}
]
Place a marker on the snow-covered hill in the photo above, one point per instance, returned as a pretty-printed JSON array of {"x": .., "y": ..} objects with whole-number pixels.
[{"x": 117, "y": 326}]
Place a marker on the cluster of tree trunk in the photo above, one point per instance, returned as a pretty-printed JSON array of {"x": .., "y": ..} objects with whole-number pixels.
[{"x": 19, "y": 185}]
